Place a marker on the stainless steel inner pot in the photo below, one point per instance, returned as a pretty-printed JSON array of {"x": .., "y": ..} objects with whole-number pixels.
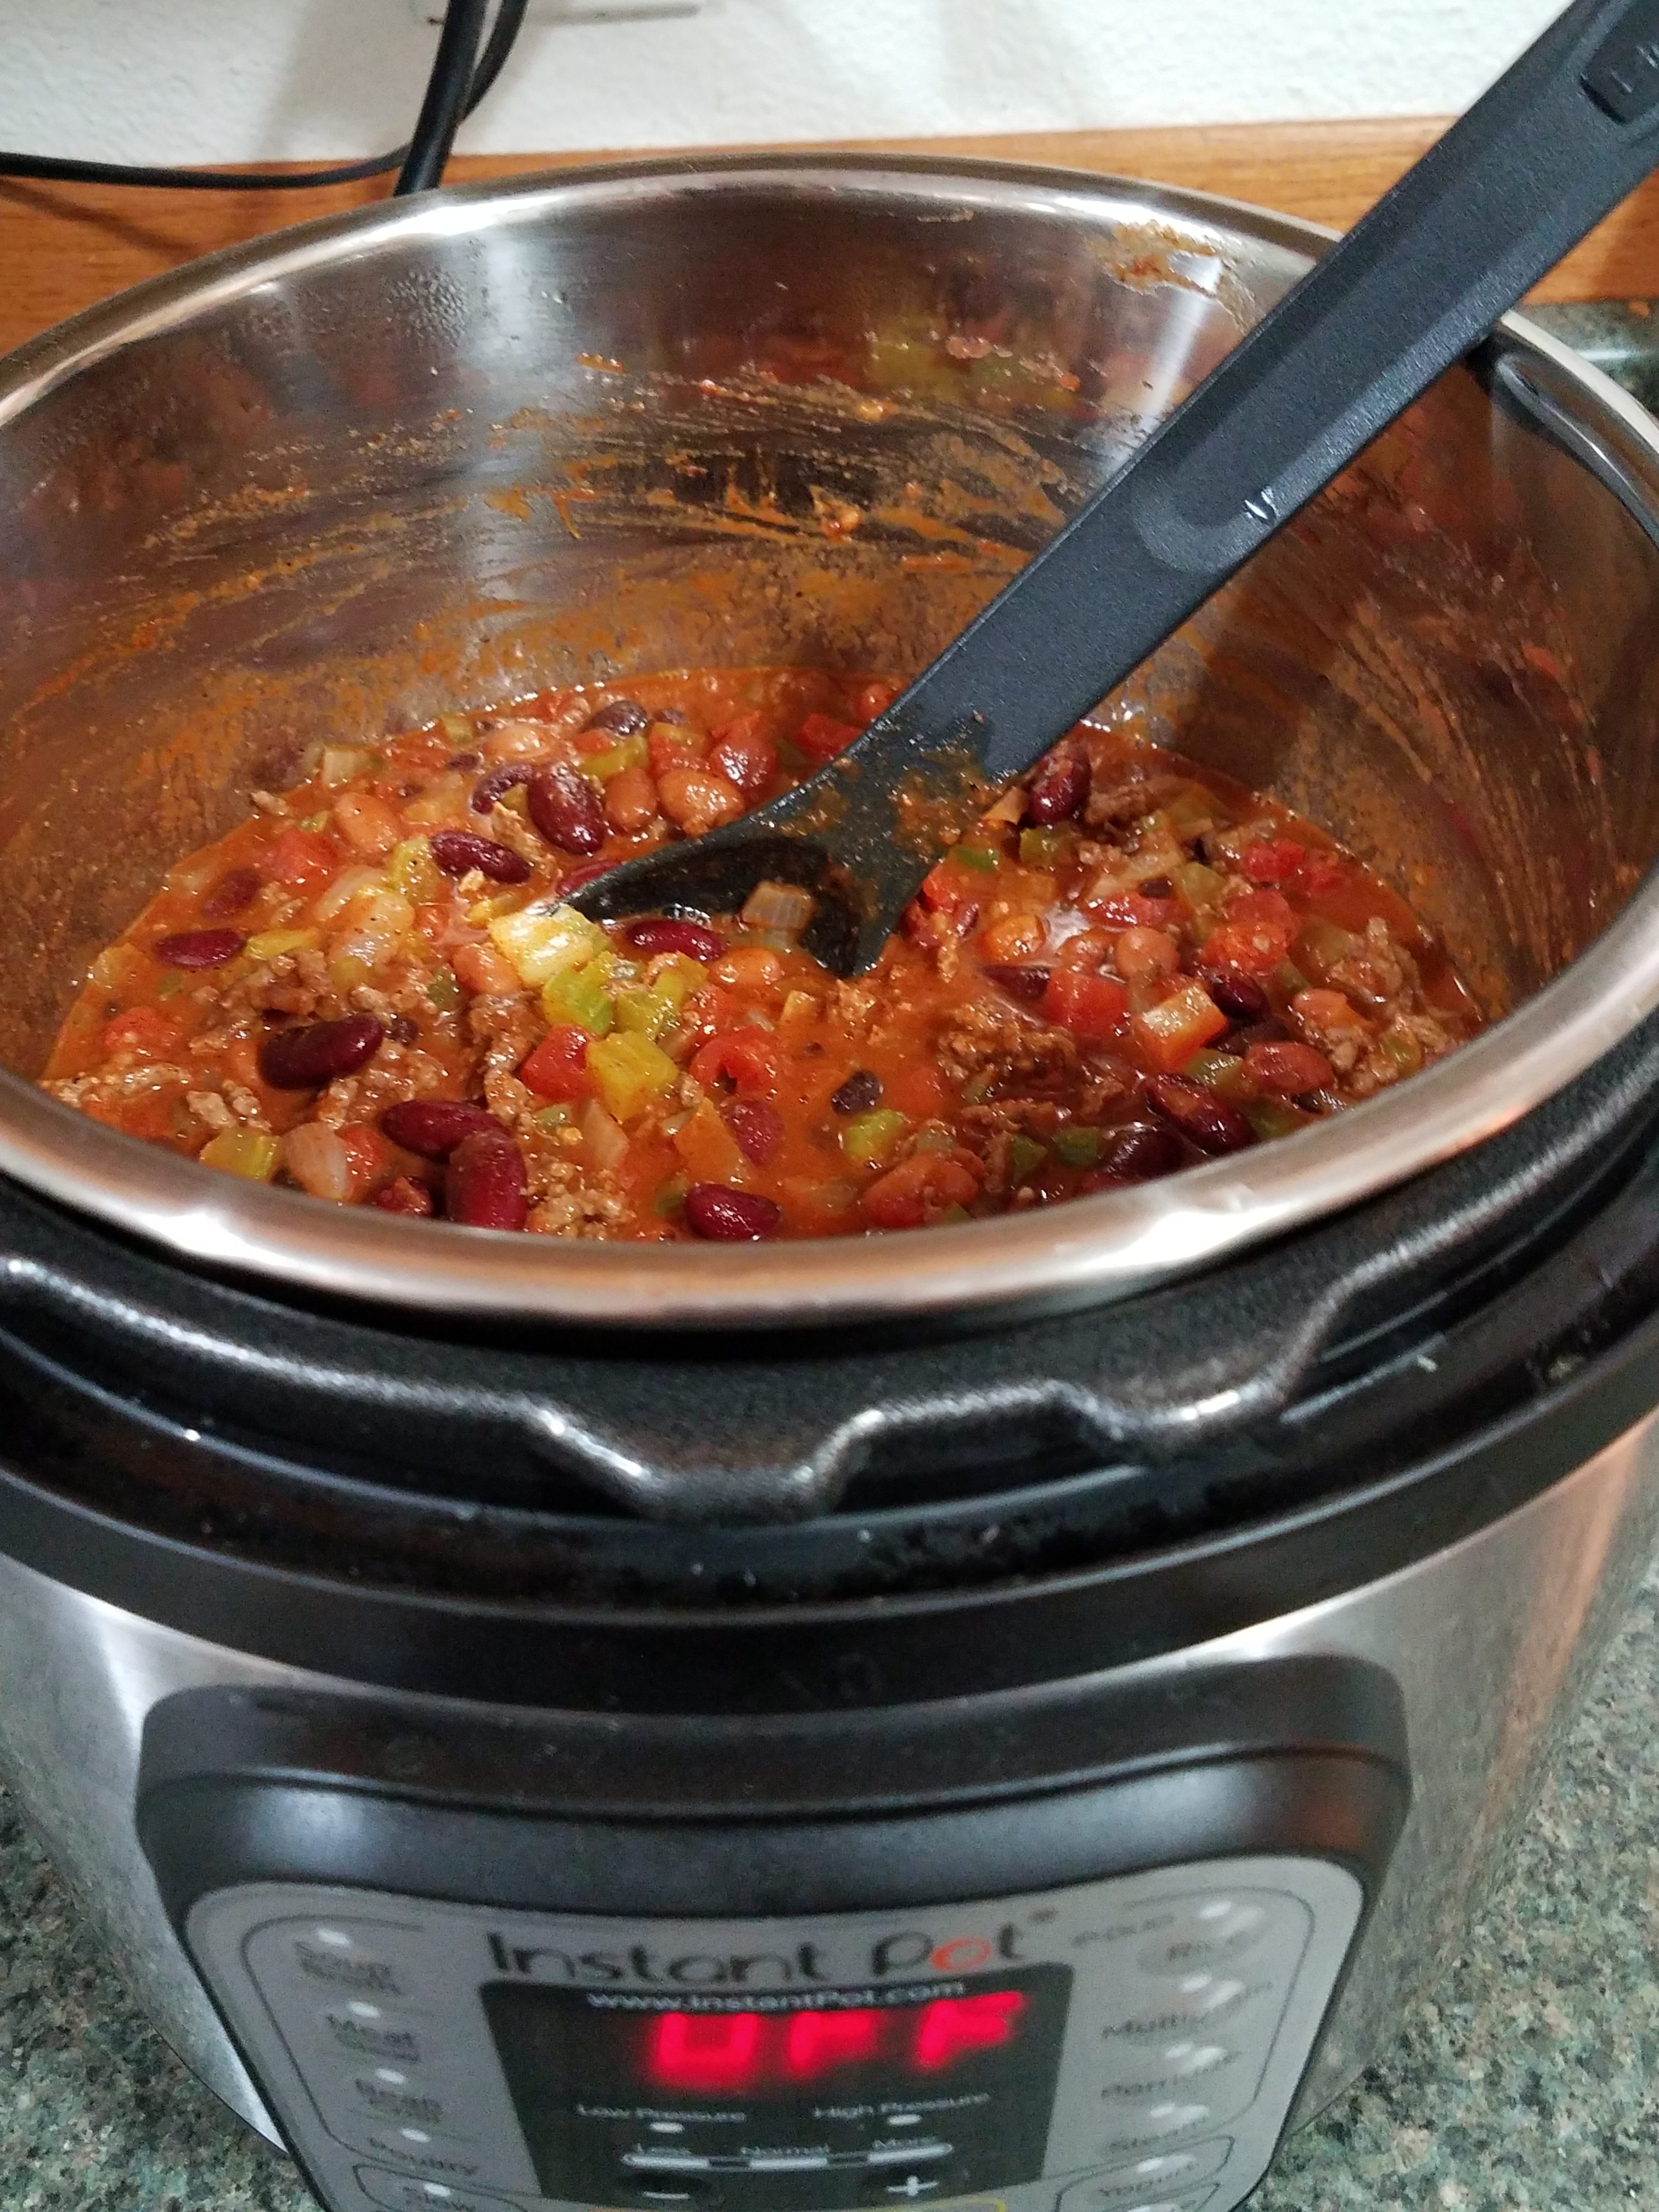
[{"x": 449, "y": 452}]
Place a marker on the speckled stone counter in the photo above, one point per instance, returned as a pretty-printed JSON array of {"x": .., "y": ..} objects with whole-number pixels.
[{"x": 1531, "y": 2081}]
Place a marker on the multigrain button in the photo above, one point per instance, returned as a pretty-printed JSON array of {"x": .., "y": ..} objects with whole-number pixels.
[
  {"x": 1199, "y": 2000},
  {"x": 1212, "y": 1934}
]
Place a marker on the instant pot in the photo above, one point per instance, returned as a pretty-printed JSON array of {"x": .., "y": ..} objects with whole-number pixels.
[{"x": 1010, "y": 1715}]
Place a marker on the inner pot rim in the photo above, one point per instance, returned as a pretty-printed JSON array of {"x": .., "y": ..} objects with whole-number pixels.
[{"x": 1106, "y": 1247}]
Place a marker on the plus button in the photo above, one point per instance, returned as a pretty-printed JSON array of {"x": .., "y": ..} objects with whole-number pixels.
[{"x": 912, "y": 2186}]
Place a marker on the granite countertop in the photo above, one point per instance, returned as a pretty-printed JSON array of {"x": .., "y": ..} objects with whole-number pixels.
[{"x": 1530, "y": 2081}]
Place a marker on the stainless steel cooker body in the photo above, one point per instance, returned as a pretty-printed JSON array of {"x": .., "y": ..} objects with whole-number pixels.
[
  {"x": 1492, "y": 1642},
  {"x": 765, "y": 411}
]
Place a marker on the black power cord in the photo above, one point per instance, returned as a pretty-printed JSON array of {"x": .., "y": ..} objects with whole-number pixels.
[{"x": 457, "y": 85}]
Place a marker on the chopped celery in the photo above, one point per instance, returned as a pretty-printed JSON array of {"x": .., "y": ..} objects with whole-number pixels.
[
  {"x": 341, "y": 763},
  {"x": 935, "y": 1140},
  {"x": 1401, "y": 1048},
  {"x": 1321, "y": 946},
  {"x": 445, "y": 990},
  {"x": 631, "y": 1074},
  {"x": 601, "y": 766},
  {"x": 1041, "y": 848},
  {"x": 1209, "y": 1068},
  {"x": 953, "y": 1214},
  {"x": 269, "y": 943},
  {"x": 251, "y": 1153},
  {"x": 1289, "y": 978},
  {"x": 984, "y": 858},
  {"x": 457, "y": 728},
  {"x": 412, "y": 871},
  {"x": 670, "y": 1196},
  {"x": 579, "y": 996},
  {"x": 1076, "y": 1147},
  {"x": 1025, "y": 1156},
  {"x": 1271, "y": 1117},
  {"x": 676, "y": 976},
  {"x": 551, "y": 1117},
  {"x": 171, "y": 985},
  {"x": 978, "y": 1088},
  {"x": 315, "y": 822},
  {"x": 541, "y": 944},
  {"x": 1197, "y": 887},
  {"x": 869, "y": 1140},
  {"x": 644, "y": 1013},
  {"x": 1191, "y": 809}
]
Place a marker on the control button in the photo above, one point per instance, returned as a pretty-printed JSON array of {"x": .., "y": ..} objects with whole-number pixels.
[
  {"x": 1138, "y": 2071},
  {"x": 1168, "y": 2117},
  {"x": 667, "y": 2162},
  {"x": 414, "y": 2149},
  {"x": 399, "y": 2193},
  {"x": 912, "y": 2186},
  {"x": 367, "y": 2031},
  {"x": 1161, "y": 2171},
  {"x": 662, "y": 2192},
  {"x": 1210, "y": 1934},
  {"x": 907, "y": 2154},
  {"x": 1199, "y": 2000},
  {"x": 388, "y": 2099},
  {"x": 345, "y": 1970},
  {"x": 802, "y": 2161}
]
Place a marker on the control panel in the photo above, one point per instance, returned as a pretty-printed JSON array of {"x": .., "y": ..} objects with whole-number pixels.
[{"x": 1132, "y": 2044}]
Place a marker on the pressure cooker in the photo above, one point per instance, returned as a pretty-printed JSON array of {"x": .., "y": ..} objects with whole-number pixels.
[{"x": 1010, "y": 1715}]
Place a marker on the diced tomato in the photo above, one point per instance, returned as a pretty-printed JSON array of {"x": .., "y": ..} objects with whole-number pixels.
[
  {"x": 145, "y": 1031},
  {"x": 1093, "y": 1007},
  {"x": 1170, "y": 1033},
  {"x": 670, "y": 747},
  {"x": 302, "y": 858},
  {"x": 746, "y": 1059},
  {"x": 875, "y": 699},
  {"x": 822, "y": 737},
  {"x": 1274, "y": 861},
  {"x": 366, "y": 1149},
  {"x": 1134, "y": 910},
  {"x": 924, "y": 1184},
  {"x": 742, "y": 751},
  {"x": 1255, "y": 935},
  {"x": 1327, "y": 1010},
  {"x": 557, "y": 1068},
  {"x": 916, "y": 1089}
]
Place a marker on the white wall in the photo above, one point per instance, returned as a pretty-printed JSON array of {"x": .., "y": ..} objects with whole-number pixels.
[{"x": 239, "y": 80}]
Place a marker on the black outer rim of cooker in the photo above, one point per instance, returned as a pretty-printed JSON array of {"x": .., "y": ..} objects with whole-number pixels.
[{"x": 1562, "y": 1361}]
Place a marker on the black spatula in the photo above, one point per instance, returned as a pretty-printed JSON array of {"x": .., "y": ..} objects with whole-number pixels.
[{"x": 1555, "y": 143}]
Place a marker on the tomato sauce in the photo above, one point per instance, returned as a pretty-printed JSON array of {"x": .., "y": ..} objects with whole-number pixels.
[{"x": 371, "y": 989}]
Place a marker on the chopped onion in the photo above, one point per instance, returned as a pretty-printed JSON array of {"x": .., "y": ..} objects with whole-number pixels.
[
  {"x": 343, "y": 890},
  {"x": 778, "y": 905},
  {"x": 317, "y": 1161},
  {"x": 603, "y": 1138}
]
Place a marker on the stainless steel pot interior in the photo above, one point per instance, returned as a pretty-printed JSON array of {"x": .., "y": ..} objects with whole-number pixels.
[{"x": 752, "y": 412}]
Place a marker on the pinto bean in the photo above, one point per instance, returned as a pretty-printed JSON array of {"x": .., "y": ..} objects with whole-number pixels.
[
  {"x": 369, "y": 825},
  {"x": 630, "y": 800},
  {"x": 698, "y": 799},
  {"x": 307, "y": 1055},
  {"x": 566, "y": 809},
  {"x": 485, "y": 1187},
  {"x": 730, "y": 1216},
  {"x": 459, "y": 851}
]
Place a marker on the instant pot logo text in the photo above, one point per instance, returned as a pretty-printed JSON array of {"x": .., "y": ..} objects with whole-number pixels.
[{"x": 907, "y": 1951}]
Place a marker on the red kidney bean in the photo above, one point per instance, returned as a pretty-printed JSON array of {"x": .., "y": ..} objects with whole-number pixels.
[
  {"x": 311, "y": 1053},
  {"x": 404, "y": 1195},
  {"x": 434, "y": 1127},
  {"x": 1239, "y": 996},
  {"x": 757, "y": 1128},
  {"x": 1204, "y": 1120},
  {"x": 1139, "y": 1153},
  {"x": 860, "y": 1092},
  {"x": 1027, "y": 983},
  {"x": 1270, "y": 1031},
  {"x": 485, "y": 1187},
  {"x": 590, "y": 872},
  {"x": 730, "y": 1216},
  {"x": 667, "y": 935},
  {"x": 200, "y": 948},
  {"x": 459, "y": 851},
  {"x": 565, "y": 807},
  {"x": 463, "y": 760},
  {"x": 498, "y": 781},
  {"x": 1158, "y": 887},
  {"x": 230, "y": 894},
  {"x": 626, "y": 718},
  {"x": 1058, "y": 789}
]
